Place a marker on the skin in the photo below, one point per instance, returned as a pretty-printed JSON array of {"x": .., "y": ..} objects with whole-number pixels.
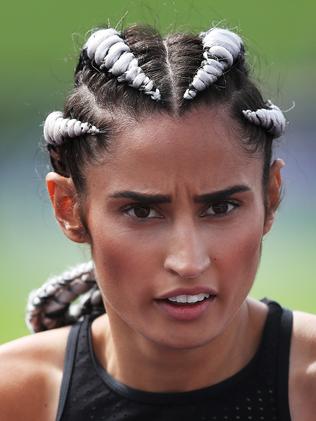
[{"x": 179, "y": 243}]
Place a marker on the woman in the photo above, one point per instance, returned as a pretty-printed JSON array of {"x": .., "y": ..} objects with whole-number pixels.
[{"x": 162, "y": 164}]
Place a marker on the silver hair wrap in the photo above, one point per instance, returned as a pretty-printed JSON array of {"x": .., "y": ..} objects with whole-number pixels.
[
  {"x": 271, "y": 119},
  {"x": 57, "y": 128},
  {"x": 109, "y": 51},
  {"x": 49, "y": 306},
  {"x": 221, "y": 48}
]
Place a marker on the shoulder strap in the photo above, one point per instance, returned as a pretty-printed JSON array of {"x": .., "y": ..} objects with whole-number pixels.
[
  {"x": 276, "y": 354},
  {"x": 270, "y": 343},
  {"x": 284, "y": 363},
  {"x": 70, "y": 354}
]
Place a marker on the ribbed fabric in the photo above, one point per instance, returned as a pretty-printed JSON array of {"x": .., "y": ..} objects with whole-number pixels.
[{"x": 258, "y": 392}]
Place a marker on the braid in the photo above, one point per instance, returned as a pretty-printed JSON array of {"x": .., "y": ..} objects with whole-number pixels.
[
  {"x": 271, "y": 119},
  {"x": 221, "y": 50},
  {"x": 57, "y": 128},
  {"x": 49, "y": 306},
  {"x": 110, "y": 52}
]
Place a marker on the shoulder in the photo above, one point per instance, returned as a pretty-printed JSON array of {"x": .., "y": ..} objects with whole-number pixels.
[
  {"x": 302, "y": 380},
  {"x": 30, "y": 375}
]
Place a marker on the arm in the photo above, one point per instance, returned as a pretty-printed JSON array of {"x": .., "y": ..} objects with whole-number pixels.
[{"x": 30, "y": 376}]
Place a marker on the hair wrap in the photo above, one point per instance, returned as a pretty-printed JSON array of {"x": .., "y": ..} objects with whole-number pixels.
[
  {"x": 271, "y": 119},
  {"x": 49, "y": 306},
  {"x": 221, "y": 48},
  {"x": 109, "y": 51},
  {"x": 57, "y": 128}
]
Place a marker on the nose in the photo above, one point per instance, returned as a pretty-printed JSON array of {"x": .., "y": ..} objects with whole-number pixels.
[{"x": 187, "y": 256}]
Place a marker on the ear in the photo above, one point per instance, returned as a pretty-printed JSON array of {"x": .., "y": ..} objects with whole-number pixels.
[
  {"x": 65, "y": 202},
  {"x": 273, "y": 193}
]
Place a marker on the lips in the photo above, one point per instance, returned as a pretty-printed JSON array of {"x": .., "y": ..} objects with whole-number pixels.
[
  {"x": 185, "y": 311},
  {"x": 187, "y": 291}
]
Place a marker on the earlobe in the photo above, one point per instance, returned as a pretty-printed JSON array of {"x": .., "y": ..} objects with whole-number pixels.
[
  {"x": 273, "y": 193},
  {"x": 65, "y": 202}
]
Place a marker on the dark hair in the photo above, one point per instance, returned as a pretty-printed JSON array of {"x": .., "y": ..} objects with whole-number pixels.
[{"x": 171, "y": 63}]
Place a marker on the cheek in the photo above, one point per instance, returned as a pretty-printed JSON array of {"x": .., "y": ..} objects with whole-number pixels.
[
  {"x": 124, "y": 263},
  {"x": 239, "y": 257}
]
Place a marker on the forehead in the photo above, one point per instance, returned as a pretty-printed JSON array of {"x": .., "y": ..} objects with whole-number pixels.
[{"x": 201, "y": 149}]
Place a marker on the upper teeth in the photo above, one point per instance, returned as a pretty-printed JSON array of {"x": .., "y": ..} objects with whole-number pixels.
[{"x": 188, "y": 298}]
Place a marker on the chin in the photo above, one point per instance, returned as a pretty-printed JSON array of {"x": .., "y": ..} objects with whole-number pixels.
[{"x": 185, "y": 340}]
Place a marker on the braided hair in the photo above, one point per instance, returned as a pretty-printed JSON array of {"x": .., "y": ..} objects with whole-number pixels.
[{"x": 130, "y": 75}]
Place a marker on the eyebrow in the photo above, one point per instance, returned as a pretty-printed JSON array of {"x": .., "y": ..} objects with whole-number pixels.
[
  {"x": 221, "y": 194},
  {"x": 154, "y": 199}
]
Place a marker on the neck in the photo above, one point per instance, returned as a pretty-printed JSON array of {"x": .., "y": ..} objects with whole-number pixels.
[{"x": 176, "y": 370}]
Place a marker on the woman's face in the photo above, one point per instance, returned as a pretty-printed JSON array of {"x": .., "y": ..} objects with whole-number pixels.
[{"x": 176, "y": 211}]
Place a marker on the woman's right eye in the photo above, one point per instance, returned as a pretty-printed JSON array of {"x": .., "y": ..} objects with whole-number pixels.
[{"x": 141, "y": 212}]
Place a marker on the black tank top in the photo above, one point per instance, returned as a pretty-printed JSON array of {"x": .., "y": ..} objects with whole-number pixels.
[{"x": 258, "y": 392}]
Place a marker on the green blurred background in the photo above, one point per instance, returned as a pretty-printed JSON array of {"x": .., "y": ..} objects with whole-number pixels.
[{"x": 40, "y": 43}]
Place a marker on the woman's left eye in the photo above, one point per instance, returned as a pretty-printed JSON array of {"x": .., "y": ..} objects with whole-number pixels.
[
  {"x": 220, "y": 208},
  {"x": 141, "y": 212}
]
